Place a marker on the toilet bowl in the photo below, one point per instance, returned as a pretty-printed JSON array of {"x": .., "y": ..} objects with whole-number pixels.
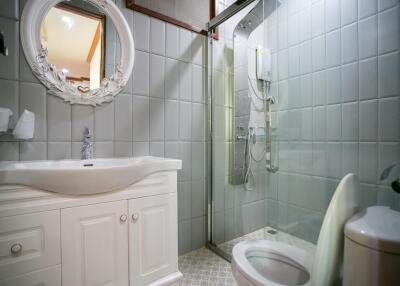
[
  {"x": 270, "y": 263},
  {"x": 262, "y": 262}
]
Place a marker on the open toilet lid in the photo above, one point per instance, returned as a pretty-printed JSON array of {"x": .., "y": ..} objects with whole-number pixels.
[{"x": 377, "y": 227}]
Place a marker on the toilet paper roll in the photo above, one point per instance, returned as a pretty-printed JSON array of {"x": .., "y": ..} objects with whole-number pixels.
[
  {"x": 25, "y": 126},
  {"x": 5, "y": 115}
]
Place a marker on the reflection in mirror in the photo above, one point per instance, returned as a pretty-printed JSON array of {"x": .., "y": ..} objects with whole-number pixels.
[{"x": 75, "y": 37}]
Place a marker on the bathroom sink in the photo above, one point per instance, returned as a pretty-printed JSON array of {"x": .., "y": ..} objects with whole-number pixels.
[{"x": 83, "y": 177}]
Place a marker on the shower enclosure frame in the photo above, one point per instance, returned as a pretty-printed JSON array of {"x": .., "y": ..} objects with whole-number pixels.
[{"x": 211, "y": 26}]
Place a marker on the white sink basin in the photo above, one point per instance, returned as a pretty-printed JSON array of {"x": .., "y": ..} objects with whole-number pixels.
[{"x": 83, "y": 177}]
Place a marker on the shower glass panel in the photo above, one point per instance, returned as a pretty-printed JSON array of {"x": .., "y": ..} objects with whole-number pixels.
[{"x": 299, "y": 100}]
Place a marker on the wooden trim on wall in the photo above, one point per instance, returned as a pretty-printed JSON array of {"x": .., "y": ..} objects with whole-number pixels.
[{"x": 130, "y": 4}]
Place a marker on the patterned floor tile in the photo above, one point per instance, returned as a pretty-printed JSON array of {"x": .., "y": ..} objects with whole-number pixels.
[{"x": 203, "y": 267}]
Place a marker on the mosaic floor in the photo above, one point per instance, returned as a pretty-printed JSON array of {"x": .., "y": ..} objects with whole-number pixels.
[{"x": 203, "y": 267}]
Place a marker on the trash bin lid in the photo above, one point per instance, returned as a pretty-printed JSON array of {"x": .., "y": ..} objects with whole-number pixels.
[{"x": 376, "y": 227}]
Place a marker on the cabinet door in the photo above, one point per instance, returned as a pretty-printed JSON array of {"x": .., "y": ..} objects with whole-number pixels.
[
  {"x": 94, "y": 245},
  {"x": 153, "y": 235}
]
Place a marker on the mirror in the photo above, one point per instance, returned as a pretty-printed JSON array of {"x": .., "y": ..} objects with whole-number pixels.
[{"x": 82, "y": 50}]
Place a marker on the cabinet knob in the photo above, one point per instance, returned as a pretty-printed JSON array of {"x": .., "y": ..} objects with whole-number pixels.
[
  {"x": 123, "y": 218},
  {"x": 16, "y": 248},
  {"x": 135, "y": 216}
]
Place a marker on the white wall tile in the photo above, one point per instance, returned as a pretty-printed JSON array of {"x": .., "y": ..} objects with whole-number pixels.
[
  {"x": 156, "y": 119},
  {"x": 30, "y": 151},
  {"x": 368, "y": 120},
  {"x": 350, "y": 121},
  {"x": 350, "y": 82},
  {"x": 333, "y": 85},
  {"x": 334, "y": 122},
  {"x": 104, "y": 150},
  {"x": 123, "y": 117},
  {"x": 198, "y": 84},
  {"x": 157, "y": 76},
  {"x": 305, "y": 25},
  {"x": 141, "y": 149},
  {"x": 349, "y": 158},
  {"x": 332, "y": 14},
  {"x": 140, "y": 118},
  {"x": 367, "y": 8},
  {"x": 389, "y": 119},
  {"x": 349, "y": 43},
  {"x": 349, "y": 11},
  {"x": 319, "y": 159},
  {"x": 185, "y": 81},
  {"x": 368, "y": 162},
  {"x": 185, "y": 120},
  {"x": 306, "y": 90},
  {"x": 388, "y": 30},
  {"x": 185, "y": 40},
  {"x": 384, "y": 4},
  {"x": 294, "y": 63},
  {"x": 157, "y": 149},
  {"x": 157, "y": 36},
  {"x": 368, "y": 37},
  {"x": 333, "y": 47},
  {"x": 307, "y": 124},
  {"x": 319, "y": 123},
  {"x": 104, "y": 122},
  {"x": 141, "y": 31},
  {"x": 9, "y": 9},
  {"x": 172, "y": 41},
  {"x": 283, "y": 64},
  {"x": 319, "y": 88},
  {"x": 198, "y": 122},
  {"x": 293, "y": 30},
  {"x": 198, "y": 49},
  {"x": 334, "y": 160},
  {"x": 305, "y": 57},
  {"x": 123, "y": 149},
  {"x": 318, "y": 53},
  {"x": 198, "y": 160},
  {"x": 58, "y": 150},
  {"x": 141, "y": 73},
  {"x": 171, "y": 80},
  {"x": 282, "y": 34},
  {"x": 9, "y": 151},
  {"x": 389, "y": 74},
  {"x": 368, "y": 79},
  {"x": 318, "y": 18},
  {"x": 82, "y": 116},
  {"x": 58, "y": 119},
  {"x": 171, "y": 120}
]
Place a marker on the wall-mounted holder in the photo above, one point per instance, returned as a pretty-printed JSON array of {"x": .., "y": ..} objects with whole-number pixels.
[
  {"x": 10, "y": 137},
  {"x": 3, "y": 48}
]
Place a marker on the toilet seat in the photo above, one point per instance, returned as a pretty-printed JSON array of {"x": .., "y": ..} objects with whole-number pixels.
[{"x": 270, "y": 263}]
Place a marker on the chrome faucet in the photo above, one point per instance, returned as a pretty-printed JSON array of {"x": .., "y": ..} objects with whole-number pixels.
[{"x": 87, "y": 147}]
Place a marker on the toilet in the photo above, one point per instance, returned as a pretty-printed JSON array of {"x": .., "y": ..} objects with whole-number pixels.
[{"x": 270, "y": 263}]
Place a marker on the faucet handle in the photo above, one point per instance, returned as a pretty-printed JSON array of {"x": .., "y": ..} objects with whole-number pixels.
[{"x": 87, "y": 133}]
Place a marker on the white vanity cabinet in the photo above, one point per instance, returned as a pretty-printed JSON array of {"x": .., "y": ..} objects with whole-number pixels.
[
  {"x": 95, "y": 245},
  {"x": 153, "y": 237},
  {"x": 123, "y": 238}
]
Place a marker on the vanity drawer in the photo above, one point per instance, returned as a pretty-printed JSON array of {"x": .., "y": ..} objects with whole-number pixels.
[
  {"x": 29, "y": 242},
  {"x": 46, "y": 277}
]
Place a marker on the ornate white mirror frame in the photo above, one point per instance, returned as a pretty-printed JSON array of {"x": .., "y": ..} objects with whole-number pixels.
[{"x": 55, "y": 80}]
